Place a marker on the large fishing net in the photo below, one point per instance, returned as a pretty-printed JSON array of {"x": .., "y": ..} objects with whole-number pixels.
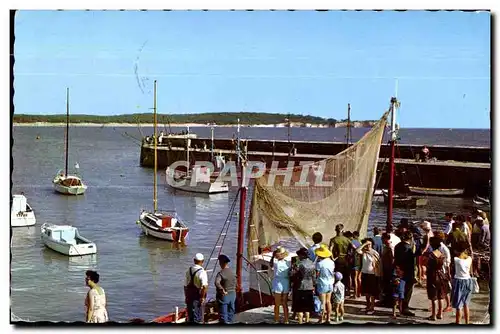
[{"x": 288, "y": 209}]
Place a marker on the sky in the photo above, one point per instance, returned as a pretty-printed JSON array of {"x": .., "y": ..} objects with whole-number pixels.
[{"x": 302, "y": 62}]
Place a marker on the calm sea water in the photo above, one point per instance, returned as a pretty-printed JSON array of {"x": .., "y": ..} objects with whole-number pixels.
[{"x": 143, "y": 277}]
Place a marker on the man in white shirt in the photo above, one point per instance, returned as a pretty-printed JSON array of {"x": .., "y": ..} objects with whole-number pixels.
[
  {"x": 448, "y": 217},
  {"x": 195, "y": 289}
]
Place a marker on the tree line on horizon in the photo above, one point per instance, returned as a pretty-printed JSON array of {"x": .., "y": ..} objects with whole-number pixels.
[{"x": 246, "y": 118}]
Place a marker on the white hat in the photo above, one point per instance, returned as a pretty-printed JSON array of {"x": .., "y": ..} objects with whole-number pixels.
[
  {"x": 426, "y": 225},
  {"x": 199, "y": 257}
]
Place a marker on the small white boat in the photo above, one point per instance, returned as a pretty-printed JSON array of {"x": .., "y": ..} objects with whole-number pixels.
[
  {"x": 163, "y": 225},
  {"x": 66, "y": 240},
  {"x": 436, "y": 191},
  {"x": 21, "y": 214},
  {"x": 68, "y": 184},
  {"x": 63, "y": 182},
  {"x": 198, "y": 181},
  {"x": 379, "y": 192}
]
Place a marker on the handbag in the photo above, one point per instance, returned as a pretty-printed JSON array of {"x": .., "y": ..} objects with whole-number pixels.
[{"x": 475, "y": 285}]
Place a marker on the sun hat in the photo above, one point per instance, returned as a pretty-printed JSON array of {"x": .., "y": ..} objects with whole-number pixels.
[
  {"x": 323, "y": 251},
  {"x": 199, "y": 257},
  {"x": 426, "y": 225},
  {"x": 281, "y": 251},
  {"x": 338, "y": 276}
]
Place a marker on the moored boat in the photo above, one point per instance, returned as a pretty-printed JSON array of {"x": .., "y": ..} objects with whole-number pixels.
[
  {"x": 66, "y": 239},
  {"x": 21, "y": 213},
  {"x": 436, "y": 191},
  {"x": 165, "y": 225},
  {"x": 404, "y": 201},
  {"x": 63, "y": 182}
]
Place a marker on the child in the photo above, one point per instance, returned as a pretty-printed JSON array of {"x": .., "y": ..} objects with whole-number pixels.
[
  {"x": 338, "y": 295},
  {"x": 398, "y": 292}
]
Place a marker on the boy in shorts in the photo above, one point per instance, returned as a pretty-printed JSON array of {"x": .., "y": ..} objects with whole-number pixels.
[{"x": 398, "y": 292}]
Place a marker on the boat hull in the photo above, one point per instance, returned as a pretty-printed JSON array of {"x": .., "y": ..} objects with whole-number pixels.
[
  {"x": 204, "y": 187},
  {"x": 87, "y": 248},
  {"x": 171, "y": 234},
  {"x": 22, "y": 219},
  {"x": 405, "y": 201},
  {"x": 436, "y": 191},
  {"x": 73, "y": 190}
]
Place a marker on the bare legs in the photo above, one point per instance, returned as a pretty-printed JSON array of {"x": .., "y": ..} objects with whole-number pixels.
[
  {"x": 326, "y": 306},
  {"x": 300, "y": 315}
]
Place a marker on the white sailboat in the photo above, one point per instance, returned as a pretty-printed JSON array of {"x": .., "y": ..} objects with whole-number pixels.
[
  {"x": 164, "y": 225},
  {"x": 198, "y": 179},
  {"x": 63, "y": 182},
  {"x": 21, "y": 213}
]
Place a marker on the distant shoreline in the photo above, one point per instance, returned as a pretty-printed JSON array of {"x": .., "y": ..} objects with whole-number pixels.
[{"x": 181, "y": 125}]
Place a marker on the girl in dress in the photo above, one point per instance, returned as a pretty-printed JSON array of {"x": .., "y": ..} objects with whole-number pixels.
[
  {"x": 95, "y": 302},
  {"x": 325, "y": 271},
  {"x": 281, "y": 282}
]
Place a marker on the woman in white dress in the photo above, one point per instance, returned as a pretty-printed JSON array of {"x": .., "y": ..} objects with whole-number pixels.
[{"x": 95, "y": 302}]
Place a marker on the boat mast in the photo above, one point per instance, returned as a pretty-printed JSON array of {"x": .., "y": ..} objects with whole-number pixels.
[
  {"x": 394, "y": 137},
  {"x": 238, "y": 144},
  {"x": 187, "y": 150},
  {"x": 155, "y": 201},
  {"x": 212, "y": 145},
  {"x": 241, "y": 230},
  {"x": 67, "y": 130},
  {"x": 348, "y": 135}
]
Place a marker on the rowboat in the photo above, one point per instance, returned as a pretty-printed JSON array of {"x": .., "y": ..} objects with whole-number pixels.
[
  {"x": 436, "y": 191},
  {"x": 403, "y": 201}
]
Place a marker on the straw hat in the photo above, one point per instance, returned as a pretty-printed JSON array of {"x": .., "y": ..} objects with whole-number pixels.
[
  {"x": 323, "y": 251},
  {"x": 426, "y": 225},
  {"x": 281, "y": 251}
]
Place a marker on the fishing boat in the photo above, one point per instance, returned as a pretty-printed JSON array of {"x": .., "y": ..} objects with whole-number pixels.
[
  {"x": 478, "y": 200},
  {"x": 66, "y": 239},
  {"x": 21, "y": 213},
  {"x": 161, "y": 224},
  {"x": 436, "y": 191},
  {"x": 404, "y": 201},
  {"x": 199, "y": 179},
  {"x": 63, "y": 182},
  {"x": 287, "y": 215}
]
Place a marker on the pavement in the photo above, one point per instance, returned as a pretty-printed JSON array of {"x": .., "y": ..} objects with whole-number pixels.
[{"x": 354, "y": 314}]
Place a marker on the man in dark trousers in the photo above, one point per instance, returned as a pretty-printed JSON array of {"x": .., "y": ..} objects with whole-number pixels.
[
  {"x": 404, "y": 258},
  {"x": 339, "y": 246},
  {"x": 225, "y": 284}
]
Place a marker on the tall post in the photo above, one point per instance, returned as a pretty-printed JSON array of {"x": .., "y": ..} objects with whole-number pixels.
[
  {"x": 394, "y": 137},
  {"x": 155, "y": 202},
  {"x": 241, "y": 230},
  {"x": 188, "y": 143},
  {"x": 348, "y": 135},
  {"x": 67, "y": 131},
  {"x": 288, "y": 136},
  {"x": 238, "y": 144},
  {"x": 212, "y": 145}
]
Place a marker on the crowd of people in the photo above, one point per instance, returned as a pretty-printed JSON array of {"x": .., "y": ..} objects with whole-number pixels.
[{"x": 384, "y": 267}]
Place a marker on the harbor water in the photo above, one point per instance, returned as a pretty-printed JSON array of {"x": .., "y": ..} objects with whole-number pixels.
[{"x": 142, "y": 277}]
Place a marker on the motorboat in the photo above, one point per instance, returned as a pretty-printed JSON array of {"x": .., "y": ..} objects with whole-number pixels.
[
  {"x": 21, "y": 213},
  {"x": 66, "y": 239}
]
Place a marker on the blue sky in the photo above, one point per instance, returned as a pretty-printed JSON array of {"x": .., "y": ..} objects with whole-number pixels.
[{"x": 299, "y": 62}]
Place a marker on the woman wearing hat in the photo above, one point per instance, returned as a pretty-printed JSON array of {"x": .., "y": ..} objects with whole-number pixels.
[
  {"x": 371, "y": 271},
  {"x": 325, "y": 273},
  {"x": 422, "y": 258},
  {"x": 281, "y": 282}
]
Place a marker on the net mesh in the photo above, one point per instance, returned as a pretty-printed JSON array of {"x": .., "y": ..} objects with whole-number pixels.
[{"x": 288, "y": 208}]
